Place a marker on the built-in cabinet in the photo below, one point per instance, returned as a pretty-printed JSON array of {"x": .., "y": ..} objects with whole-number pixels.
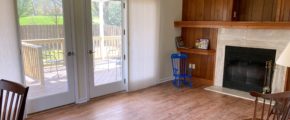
[{"x": 203, "y": 18}]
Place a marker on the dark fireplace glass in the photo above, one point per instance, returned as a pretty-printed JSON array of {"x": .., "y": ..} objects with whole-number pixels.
[{"x": 245, "y": 68}]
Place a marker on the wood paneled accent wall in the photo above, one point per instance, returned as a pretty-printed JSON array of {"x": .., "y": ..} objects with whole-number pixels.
[
  {"x": 255, "y": 10},
  {"x": 224, "y": 10},
  {"x": 204, "y": 10},
  {"x": 207, "y": 10},
  {"x": 287, "y": 83},
  {"x": 285, "y": 10}
]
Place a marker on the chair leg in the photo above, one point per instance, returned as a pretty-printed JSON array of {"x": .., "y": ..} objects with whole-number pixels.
[
  {"x": 176, "y": 83},
  {"x": 187, "y": 83}
]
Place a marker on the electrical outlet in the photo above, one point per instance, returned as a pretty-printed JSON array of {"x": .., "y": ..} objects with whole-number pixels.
[{"x": 193, "y": 66}]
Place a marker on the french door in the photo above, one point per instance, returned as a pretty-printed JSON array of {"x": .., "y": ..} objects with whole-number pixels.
[
  {"x": 106, "y": 46},
  {"x": 47, "y": 56}
]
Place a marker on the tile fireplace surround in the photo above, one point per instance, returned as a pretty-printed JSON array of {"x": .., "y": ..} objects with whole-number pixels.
[{"x": 253, "y": 38}]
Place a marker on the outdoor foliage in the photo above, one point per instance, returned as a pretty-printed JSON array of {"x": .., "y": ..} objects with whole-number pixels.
[
  {"x": 40, "y": 12},
  {"x": 113, "y": 13},
  {"x": 50, "y": 12},
  {"x": 40, "y": 20}
]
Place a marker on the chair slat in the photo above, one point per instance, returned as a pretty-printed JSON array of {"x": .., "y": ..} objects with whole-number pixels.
[
  {"x": 263, "y": 109},
  {"x": 269, "y": 110},
  {"x": 5, "y": 104},
  {"x": 16, "y": 107},
  {"x": 10, "y": 106},
  {"x": 1, "y": 100}
]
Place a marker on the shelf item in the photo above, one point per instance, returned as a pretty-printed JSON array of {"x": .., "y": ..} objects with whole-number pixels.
[
  {"x": 197, "y": 51},
  {"x": 233, "y": 24}
]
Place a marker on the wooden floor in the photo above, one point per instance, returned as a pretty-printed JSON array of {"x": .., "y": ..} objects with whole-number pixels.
[{"x": 162, "y": 102}]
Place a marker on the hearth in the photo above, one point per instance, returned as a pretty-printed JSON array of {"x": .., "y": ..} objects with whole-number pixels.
[{"x": 249, "y": 69}]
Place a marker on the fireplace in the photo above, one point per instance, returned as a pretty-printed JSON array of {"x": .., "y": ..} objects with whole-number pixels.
[{"x": 248, "y": 69}]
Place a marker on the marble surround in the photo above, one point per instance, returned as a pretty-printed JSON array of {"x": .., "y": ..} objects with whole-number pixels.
[{"x": 253, "y": 38}]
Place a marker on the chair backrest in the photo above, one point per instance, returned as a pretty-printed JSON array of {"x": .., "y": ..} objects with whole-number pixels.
[
  {"x": 278, "y": 108},
  {"x": 13, "y": 99},
  {"x": 179, "y": 63}
]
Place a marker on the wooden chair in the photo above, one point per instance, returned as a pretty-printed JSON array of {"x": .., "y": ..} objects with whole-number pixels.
[
  {"x": 277, "y": 107},
  {"x": 13, "y": 99}
]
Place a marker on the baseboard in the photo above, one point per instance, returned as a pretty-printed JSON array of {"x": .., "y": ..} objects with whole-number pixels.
[
  {"x": 164, "y": 80},
  {"x": 83, "y": 100}
]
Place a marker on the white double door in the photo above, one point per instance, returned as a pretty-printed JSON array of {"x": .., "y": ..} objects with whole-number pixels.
[{"x": 49, "y": 55}]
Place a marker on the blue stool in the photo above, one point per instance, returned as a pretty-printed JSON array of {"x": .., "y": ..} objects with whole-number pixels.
[{"x": 181, "y": 71}]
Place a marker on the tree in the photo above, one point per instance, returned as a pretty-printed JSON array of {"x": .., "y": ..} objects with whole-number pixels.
[
  {"x": 24, "y": 8},
  {"x": 95, "y": 8},
  {"x": 113, "y": 13}
]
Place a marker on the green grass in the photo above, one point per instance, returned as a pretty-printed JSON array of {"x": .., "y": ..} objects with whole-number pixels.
[
  {"x": 46, "y": 20},
  {"x": 41, "y": 20},
  {"x": 96, "y": 20}
]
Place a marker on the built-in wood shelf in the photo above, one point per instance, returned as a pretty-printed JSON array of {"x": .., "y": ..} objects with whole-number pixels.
[
  {"x": 233, "y": 24},
  {"x": 197, "y": 51}
]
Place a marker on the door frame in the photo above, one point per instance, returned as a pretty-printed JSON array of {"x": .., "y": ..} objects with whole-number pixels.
[
  {"x": 125, "y": 47},
  {"x": 38, "y": 104}
]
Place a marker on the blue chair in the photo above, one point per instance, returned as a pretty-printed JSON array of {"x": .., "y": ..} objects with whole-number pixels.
[{"x": 181, "y": 71}]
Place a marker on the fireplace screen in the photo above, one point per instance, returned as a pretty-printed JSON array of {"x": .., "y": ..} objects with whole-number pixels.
[{"x": 249, "y": 69}]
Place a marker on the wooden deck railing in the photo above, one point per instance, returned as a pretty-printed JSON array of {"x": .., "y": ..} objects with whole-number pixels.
[
  {"x": 39, "y": 53},
  {"x": 112, "y": 46},
  {"x": 33, "y": 62}
]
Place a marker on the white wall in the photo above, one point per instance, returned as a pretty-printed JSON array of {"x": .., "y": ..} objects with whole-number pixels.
[
  {"x": 143, "y": 43},
  {"x": 9, "y": 60},
  {"x": 170, "y": 11},
  {"x": 151, "y": 40}
]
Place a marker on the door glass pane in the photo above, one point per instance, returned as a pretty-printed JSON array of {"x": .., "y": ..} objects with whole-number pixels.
[
  {"x": 43, "y": 46},
  {"x": 107, "y": 41}
]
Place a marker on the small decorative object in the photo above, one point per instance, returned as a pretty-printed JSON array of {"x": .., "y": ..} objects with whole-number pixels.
[
  {"x": 202, "y": 43},
  {"x": 179, "y": 42}
]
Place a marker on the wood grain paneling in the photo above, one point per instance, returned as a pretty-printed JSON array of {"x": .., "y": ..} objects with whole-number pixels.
[
  {"x": 256, "y": 10},
  {"x": 204, "y": 10},
  {"x": 197, "y": 51},
  {"x": 207, "y": 10},
  {"x": 203, "y": 67},
  {"x": 190, "y": 35},
  {"x": 285, "y": 10},
  {"x": 287, "y": 83},
  {"x": 232, "y": 24}
]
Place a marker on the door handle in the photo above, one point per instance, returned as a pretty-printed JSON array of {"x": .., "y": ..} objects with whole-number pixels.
[
  {"x": 91, "y": 52},
  {"x": 70, "y": 53}
]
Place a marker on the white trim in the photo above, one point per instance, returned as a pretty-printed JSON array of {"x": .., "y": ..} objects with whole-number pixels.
[
  {"x": 76, "y": 90},
  {"x": 82, "y": 100},
  {"x": 95, "y": 91},
  {"x": 166, "y": 79},
  {"x": 19, "y": 43},
  {"x": 86, "y": 64},
  {"x": 20, "y": 51},
  {"x": 126, "y": 44},
  {"x": 40, "y": 104}
]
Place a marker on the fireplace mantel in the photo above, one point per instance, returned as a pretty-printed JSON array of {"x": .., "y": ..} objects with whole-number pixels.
[{"x": 233, "y": 24}]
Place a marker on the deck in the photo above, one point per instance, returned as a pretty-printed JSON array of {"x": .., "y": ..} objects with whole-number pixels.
[
  {"x": 45, "y": 67},
  {"x": 56, "y": 79}
]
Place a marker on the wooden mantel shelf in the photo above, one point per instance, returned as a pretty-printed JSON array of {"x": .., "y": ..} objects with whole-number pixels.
[
  {"x": 233, "y": 24},
  {"x": 197, "y": 51}
]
